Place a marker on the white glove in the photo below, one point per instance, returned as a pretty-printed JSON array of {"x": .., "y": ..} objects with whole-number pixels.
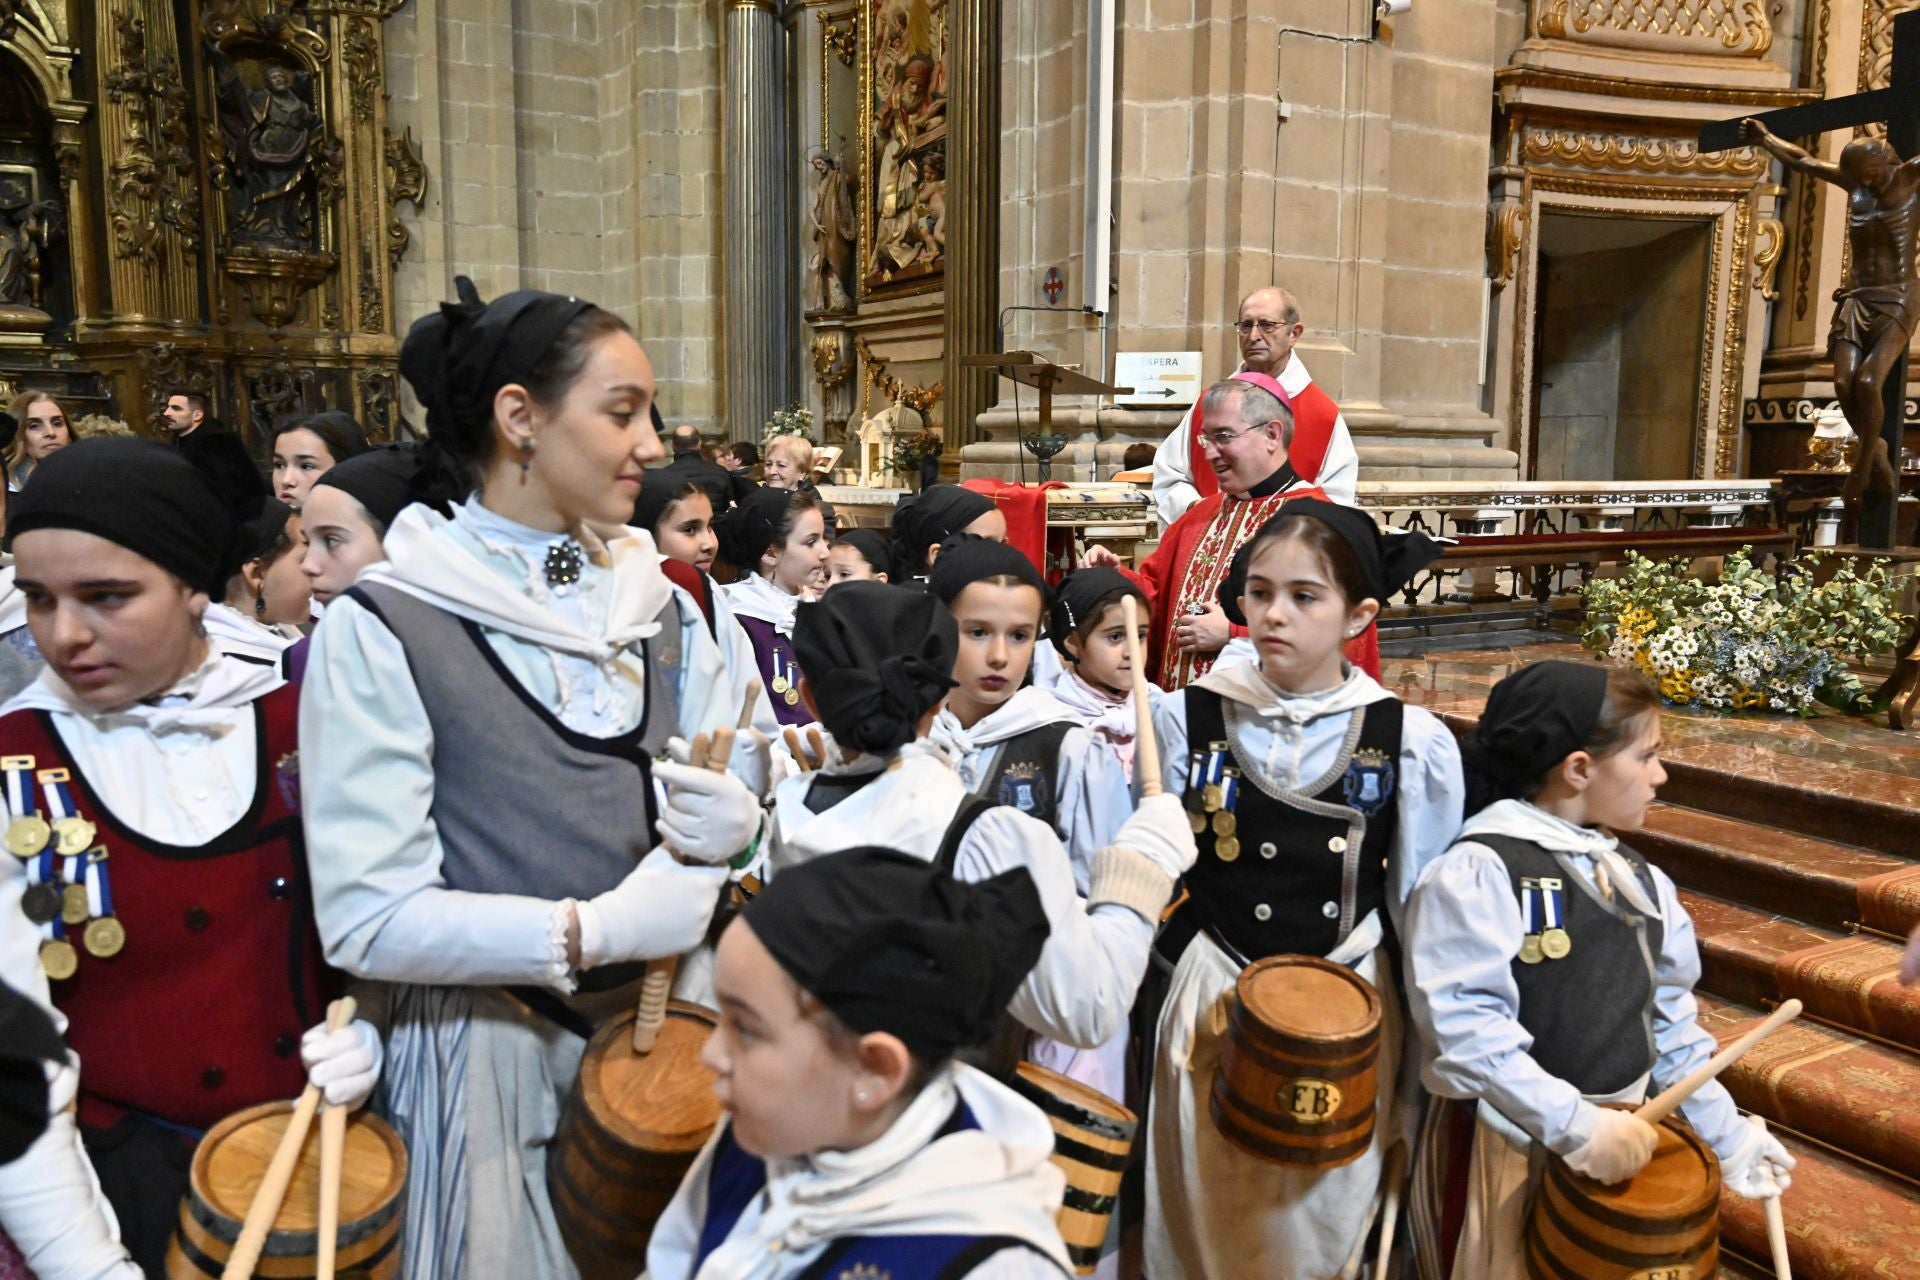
[
  {"x": 344, "y": 1065},
  {"x": 1159, "y": 830},
  {"x": 1758, "y": 1167},
  {"x": 752, "y": 761},
  {"x": 708, "y": 817},
  {"x": 1618, "y": 1148},
  {"x": 660, "y": 909}
]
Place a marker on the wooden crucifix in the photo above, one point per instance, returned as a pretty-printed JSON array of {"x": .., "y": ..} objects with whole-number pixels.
[{"x": 1878, "y": 304}]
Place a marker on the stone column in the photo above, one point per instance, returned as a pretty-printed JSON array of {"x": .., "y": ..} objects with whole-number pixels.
[
  {"x": 762, "y": 321},
  {"x": 973, "y": 209}
]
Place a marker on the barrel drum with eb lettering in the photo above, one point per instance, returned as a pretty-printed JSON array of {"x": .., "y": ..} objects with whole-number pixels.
[{"x": 1662, "y": 1224}]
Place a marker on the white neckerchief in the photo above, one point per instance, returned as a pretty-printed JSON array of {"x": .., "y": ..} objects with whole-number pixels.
[
  {"x": 996, "y": 1180},
  {"x": 202, "y": 702},
  {"x": 1110, "y": 719},
  {"x": 425, "y": 560},
  {"x": 13, "y": 601},
  {"x": 227, "y": 626},
  {"x": 1028, "y": 708},
  {"x": 1287, "y": 715},
  {"x": 756, "y": 596},
  {"x": 1586, "y": 845}
]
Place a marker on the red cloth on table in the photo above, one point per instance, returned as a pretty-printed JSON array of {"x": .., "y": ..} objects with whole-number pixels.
[{"x": 1025, "y": 507}]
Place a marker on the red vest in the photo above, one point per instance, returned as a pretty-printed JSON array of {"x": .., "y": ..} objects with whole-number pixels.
[
  {"x": 200, "y": 1014},
  {"x": 1314, "y": 413}
]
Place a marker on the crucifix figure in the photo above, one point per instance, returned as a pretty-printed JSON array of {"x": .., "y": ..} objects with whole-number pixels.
[{"x": 1879, "y": 301}]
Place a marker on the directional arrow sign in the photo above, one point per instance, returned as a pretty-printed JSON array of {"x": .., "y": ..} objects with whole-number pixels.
[{"x": 1160, "y": 379}]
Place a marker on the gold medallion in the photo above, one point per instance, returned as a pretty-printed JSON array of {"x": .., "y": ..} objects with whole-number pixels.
[
  {"x": 791, "y": 697},
  {"x": 1225, "y": 824},
  {"x": 1196, "y": 820},
  {"x": 1530, "y": 949},
  {"x": 73, "y": 835},
  {"x": 779, "y": 684},
  {"x": 40, "y": 902},
  {"x": 1555, "y": 944},
  {"x": 28, "y": 836},
  {"x": 1228, "y": 847},
  {"x": 1211, "y": 796},
  {"x": 105, "y": 937},
  {"x": 74, "y": 908},
  {"x": 59, "y": 959}
]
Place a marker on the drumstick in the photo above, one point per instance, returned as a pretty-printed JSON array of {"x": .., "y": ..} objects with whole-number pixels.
[
  {"x": 1671, "y": 1099},
  {"x": 1390, "y": 1208},
  {"x": 657, "y": 985},
  {"x": 747, "y": 706},
  {"x": 273, "y": 1186},
  {"x": 1776, "y": 1223},
  {"x": 333, "y": 1151},
  {"x": 1146, "y": 748}
]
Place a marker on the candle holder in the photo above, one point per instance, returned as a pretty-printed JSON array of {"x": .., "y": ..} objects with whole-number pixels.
[{"x": 1044, "y": 447}]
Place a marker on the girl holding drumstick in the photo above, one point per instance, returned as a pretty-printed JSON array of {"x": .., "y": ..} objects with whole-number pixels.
[
  {"x": 1317, "y": 797},
  {"x": 481, "y": 713},
  {"x": 1551, "y": 968}
]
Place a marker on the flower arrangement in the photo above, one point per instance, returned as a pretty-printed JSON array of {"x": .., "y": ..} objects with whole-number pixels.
[
  {"x": 1752, "y": 641},
  {"x": 907, "y": 453},
  {"x": 793, "y": 420}
]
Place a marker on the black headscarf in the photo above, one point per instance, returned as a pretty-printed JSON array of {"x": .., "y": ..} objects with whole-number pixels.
[
  {"x": 1388, "y": 561},
  {"x": 889, "y": 942},
  {"x": 928, "y": 519},
  {"x": 138, "y": 494},
  {"x": 752, "y": 526},
  {"x": 28, "y": 1043},
  {"x": 1534, "y": 719},
  {"x": 872, "y": 545},
  {"x": 660, "y": 489},
  {"x": 458, "y": 358},
  {"x": 968, "y": 558},
  {"x": 261, "y": 532},
  {"x": 877, "y": 658},
  {"x": 1080, "y": 593},
  {"x": 381, "y": 481}
]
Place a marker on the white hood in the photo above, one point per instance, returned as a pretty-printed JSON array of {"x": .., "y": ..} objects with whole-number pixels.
[
  {"x": 908, "y": 808},
  {"x": 235, "y": 632},
  {"x": 204, "y": 702},
  {"x": 755, "y": 596},
  {"x": 1523, "y": 821},
  {"x": 1028, "y": 708},
  {"x": 1244, "y": 683}
]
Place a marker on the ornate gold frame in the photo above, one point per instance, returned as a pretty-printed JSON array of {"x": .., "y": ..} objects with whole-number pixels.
[{"x": 920, "y": 285}]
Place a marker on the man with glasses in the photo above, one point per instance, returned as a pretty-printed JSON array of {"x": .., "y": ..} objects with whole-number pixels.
[
  {"x": 1250, "y": 422},
  {"x": 1322, "y": 451}
]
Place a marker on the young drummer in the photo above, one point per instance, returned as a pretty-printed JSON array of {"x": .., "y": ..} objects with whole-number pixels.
[
  {"x": 480, "y": 718},
  {"x": 922, "y": 521},
  {"x": 854, "y": 1144},
  {"x": 777, "y": 539},
  {"x": 1318, "y": 797},
  {"x": 874, "y": 663},
  {"x": 1012, "y": 742},
  {"x": 859, "y": 555},
  {"x": 1551, "y": 967},
  {"x": 157, "y": 897},
  {"x": 1087, "y": 665}
]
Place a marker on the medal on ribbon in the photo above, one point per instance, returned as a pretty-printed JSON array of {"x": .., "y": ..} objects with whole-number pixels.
[
  {"x": 105, "y": 935},
  {"x": 41, "y": 899},
  {"x": 28, "y": 832},
  {"x": 786, "y": 677},
  {"x": 1530, "y": 952},
  {"x": 1211, "y": 793},
  {"x": 1225, "y": 823},
  {"x": 73, "y": 894},
  {"x": 72, "y": 834},
  {"x": 1554, "y": 942}
]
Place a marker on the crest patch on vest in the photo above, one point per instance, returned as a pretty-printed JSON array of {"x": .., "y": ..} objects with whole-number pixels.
[
  {"x": 1023, "y": 787},
  {"x": 1368, "y": 785}
]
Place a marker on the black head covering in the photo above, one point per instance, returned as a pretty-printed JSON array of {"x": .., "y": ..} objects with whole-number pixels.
[
  {"x": 752, "y": 526},
  {"x": 138, "y": 494},
  {"x": 381, "y": 480},
  {"x": 1534, "y": 719},
  {"x": 930, "y": 518},
  {"x": 28, "y": 1043},
  {"x": 877, "y": 658},
  {"x": 1079, "y": 594},
  {"x": 660, "y": 489},
  {"x": 458, "y": 358},
  {"x": 1388, "y": 561},
  {"x": 260, "y": 532},
  {"x": 967, "y": 558},
  {"x": 872, "y": 545},
  {"x": 889, "y": 942}
]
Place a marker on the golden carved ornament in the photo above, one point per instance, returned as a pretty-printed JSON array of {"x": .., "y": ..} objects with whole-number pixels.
[
  {"x": 1630, "y": 154},
  {"x": 1506, "y": 232},
  {"x": 1733, "y": 28},
  {"x": 1772, "y": 237},
  {"x": 830, "y": 364},
  {"x": 154, "y": 186},
  {"x": 841, "y": 36},
  {"x": 919, "y": 399},
  {"x": 406, "y": 181},
  {"x": 360, "y": 50}
]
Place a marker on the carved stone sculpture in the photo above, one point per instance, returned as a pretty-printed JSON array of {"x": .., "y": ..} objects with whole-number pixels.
[
  {"x": 275, "y": 143},
  {"x": 26, "y": 231},
  {"x": 830, "y": 269}
]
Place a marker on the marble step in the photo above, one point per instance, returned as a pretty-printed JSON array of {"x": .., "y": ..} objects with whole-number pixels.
[
  {"x": 1759, "y": 958},
  {"x": 1844, "y": 1221},
  {"x": 1819, "y": 881},
  {"x": 1829, "y": 1084},
  {"x": 1810, "y": 797}
]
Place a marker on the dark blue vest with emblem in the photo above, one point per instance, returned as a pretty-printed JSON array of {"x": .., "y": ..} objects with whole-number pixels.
[
  {"x": 1025, "y": 772},
  {"x": 736, "y": 1178}
]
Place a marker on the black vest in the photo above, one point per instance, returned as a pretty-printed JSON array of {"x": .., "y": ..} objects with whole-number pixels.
[
  {"x": 1311, "y": 863},
  {"x": 1025, "y": 772},
  {"x": 1590, "y": 1013}
]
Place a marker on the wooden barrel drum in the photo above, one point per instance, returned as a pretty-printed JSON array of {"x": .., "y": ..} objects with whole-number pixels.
[
  {"x": 227, "y": 1169},
  {"x": 1092, "y": 1135},
  {"x": 1664, "y": 1224},
  {"x": 631, "y": 1129},
  {"x": 1296, "y": 1081}
]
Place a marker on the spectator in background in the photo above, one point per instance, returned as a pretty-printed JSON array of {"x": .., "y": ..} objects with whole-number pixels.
[
  {"x": 268, "y": 598},
  {"x": 187, "y": 412},
  {"x": 307, "y": 446},
  {"x": 740, "y": 458},
  {"x": 43, "y": 430},
  {"x": 20, "y": 659},
  {"x": 1138, "y": 457},
  {"x": 789, "y": 465},
  {"x": 722, "y": 487}
]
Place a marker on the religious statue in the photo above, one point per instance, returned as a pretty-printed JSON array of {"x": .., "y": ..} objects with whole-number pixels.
[
  {"x": 274, "y": 140},
  {"x": 1879, "y": 300},
  {"x": 26, "y": 231},
  {"x": 830, "y": 270}
]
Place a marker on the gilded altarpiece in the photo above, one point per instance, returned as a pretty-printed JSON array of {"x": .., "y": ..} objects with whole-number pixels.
[
  {"x": 1597, "y": 114},
  {"x": 227, "y": 187}
]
